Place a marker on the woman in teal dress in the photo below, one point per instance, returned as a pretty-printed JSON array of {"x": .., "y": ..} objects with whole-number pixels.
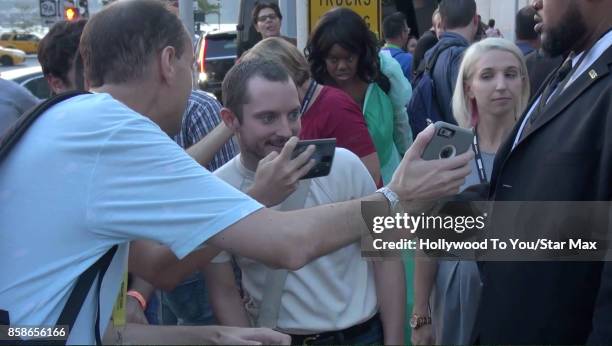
[{"x": 342, "y": 53}]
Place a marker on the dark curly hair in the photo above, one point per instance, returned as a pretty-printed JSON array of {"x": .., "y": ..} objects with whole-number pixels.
[
  {"x": 346, "y": 28},
  {"x": 260, "y": 5},
  {"x": 57, "y": 50}
]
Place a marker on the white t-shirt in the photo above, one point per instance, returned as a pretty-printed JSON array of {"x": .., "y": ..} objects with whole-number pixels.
[
  {"x": 91, "y": 173},
  {"x": 335, "y": 291}
]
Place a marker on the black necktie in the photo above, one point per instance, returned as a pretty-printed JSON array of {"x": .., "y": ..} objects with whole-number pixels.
[{"x": 555, "y": 83}]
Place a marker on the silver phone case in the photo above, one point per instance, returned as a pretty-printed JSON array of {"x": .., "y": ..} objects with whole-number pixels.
[{"x": 442, "y": 143}]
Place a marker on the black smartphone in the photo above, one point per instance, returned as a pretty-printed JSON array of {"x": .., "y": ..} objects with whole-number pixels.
[
  {"x": 323, "y": 156},
  {"x": 448, "y": 141}
]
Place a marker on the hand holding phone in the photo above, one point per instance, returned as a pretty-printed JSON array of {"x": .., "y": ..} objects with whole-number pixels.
[
  {"x": 278, "y": 174},
  {"x": 323, "y": 156},
  {"x": 448, "y": 141},
  {"x": 423, "y": 176}
]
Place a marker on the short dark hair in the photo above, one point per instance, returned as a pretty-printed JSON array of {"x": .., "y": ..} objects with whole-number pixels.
[
  {"x": 265, "y": 4},
  {"x": 59, "y": 48},
  {"x": 346, "y": 28},
  {"x": 525, "y": 23},
  {"x": 393, "y": 25},
  {"x": 235, "y": 84},
  {"x": 491, "y": 23},
  {"x": 457, "y": 13},
  {"x": 119, "y": 41}
]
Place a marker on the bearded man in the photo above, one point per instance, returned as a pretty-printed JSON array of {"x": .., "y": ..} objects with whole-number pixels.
[{"x": 560, "y": 150}]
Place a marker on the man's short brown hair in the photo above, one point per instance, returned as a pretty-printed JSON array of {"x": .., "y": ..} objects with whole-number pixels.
[
  {"x": 235, "y": 84},
  {"x": 120, "y": 41},
  {"x": 58, "y": 49},
  {"x": 457, "y": 13},
  {"x": 265, "y": 4}
]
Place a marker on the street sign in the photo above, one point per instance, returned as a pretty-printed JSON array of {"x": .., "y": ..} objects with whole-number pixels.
[
  {"x": 48, "y": 9},
  {"x": 369, "y": 10}
]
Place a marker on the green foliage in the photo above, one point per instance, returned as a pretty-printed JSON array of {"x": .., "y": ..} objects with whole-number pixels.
[{"x": 208, "y": 8}]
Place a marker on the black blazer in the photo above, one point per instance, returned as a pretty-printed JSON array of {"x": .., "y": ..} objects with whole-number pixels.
[{"x": 567, "y": 156}]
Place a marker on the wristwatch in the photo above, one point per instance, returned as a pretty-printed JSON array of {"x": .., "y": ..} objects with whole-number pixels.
[
  {"x": 417, "y": 321},
  {"x": 391, "y": 197}
]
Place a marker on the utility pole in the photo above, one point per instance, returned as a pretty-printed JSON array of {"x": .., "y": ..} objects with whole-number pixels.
[
  {"x": 516, "y": 9},
  {"x": 287, "y": 8},
  {"x": 186, "y": 15},
  {"x": 301, "y": 14}
]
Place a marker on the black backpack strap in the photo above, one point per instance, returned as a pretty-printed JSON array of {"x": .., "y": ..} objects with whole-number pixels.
[
  {"x": 431, "y": 63},
  {"x": 79, "y": 292},
  {"x": 75, "y": 302},
  {"x": 427, "y": 65},
  {"x": 85, "y": 281},
  {"x": 14, "y": 133},
  {"x": 429, "y": 68},
  {"x": 105, "y": 262}
]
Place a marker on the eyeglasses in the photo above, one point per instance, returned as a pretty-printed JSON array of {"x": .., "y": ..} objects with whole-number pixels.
[{"x": 270, "y": 16}]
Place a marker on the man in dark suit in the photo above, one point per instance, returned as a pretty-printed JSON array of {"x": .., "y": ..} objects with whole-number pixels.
[{"x": 560, "y": 150}]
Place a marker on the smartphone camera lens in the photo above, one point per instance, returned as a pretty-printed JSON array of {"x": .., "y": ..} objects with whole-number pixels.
[
  {"x": 447, "y": 152},
  {"x": 445, "y": 132}
]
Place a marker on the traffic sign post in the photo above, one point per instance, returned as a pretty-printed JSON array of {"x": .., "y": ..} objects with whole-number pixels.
[
  {"x": 369, "y": 10},
  {"x": 49, "y": 9}
]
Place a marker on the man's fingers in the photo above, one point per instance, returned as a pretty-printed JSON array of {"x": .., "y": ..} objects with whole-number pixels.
[
  {"x": 303, "y": 158},
  {"x": 305, "y": 168},
  {"x": 267, "y": 336},
  {"x": 241, "y": 341},
  {"x": 457, "y": 161},
  {"x": 288, "y": 148},
  {"x": 270, "y": 157},
  {"x": 454, "y": 186},
  {"x": 420, "y": 143}
]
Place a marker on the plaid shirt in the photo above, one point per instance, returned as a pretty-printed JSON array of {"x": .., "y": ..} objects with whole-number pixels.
[{"x": 201, "y": 117}]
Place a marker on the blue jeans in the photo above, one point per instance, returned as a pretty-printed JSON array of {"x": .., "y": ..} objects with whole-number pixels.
[
  {"x": 151, "y": 313},
  {"x": 188, "y": 303}
]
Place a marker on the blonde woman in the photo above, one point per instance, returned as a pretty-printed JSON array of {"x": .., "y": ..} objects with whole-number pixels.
[{"x": 491, "y": 93}]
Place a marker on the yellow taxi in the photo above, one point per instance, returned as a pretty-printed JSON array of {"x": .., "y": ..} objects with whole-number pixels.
[
  {"x": 26, "y": 42},
  {"x": 10, "y": 56}
]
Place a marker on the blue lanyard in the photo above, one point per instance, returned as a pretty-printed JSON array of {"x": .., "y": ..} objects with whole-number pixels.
[
  {"x": 311, "y": 89},
  {"x": 482, "y": 174}
]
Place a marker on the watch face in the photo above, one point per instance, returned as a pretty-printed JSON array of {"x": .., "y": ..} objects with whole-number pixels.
[{"x": 413, "y": 322}]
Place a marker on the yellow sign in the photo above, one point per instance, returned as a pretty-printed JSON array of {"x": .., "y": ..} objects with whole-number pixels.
[{"x": 369, "y": 10}]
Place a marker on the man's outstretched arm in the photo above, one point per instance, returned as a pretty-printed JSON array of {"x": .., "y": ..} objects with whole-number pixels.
[{"x": 292, "y": 239}]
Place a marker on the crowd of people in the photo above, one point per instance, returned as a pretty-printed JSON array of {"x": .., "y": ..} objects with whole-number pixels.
[{"x": 201, "y": 200}]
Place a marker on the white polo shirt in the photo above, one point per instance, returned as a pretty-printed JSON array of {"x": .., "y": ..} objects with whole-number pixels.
[{"x": 333, "y": 292}]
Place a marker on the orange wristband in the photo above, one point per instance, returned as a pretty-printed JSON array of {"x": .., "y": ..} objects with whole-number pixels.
[{"x": 136, "y": 295}]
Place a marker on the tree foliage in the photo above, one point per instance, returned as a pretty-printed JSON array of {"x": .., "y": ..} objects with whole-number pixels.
[{"x": 208, "y": 8}]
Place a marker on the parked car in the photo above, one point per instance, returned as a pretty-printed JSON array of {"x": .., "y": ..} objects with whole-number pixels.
[
  {"x": 26, "y": 42},
  {"x": 32, "y": 79},
  {"x": 217, "y": 53},
  {"x": 9, "y": 57}
]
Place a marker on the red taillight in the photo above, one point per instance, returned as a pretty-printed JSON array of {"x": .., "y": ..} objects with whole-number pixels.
[{"x": 201, "y": 61}]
